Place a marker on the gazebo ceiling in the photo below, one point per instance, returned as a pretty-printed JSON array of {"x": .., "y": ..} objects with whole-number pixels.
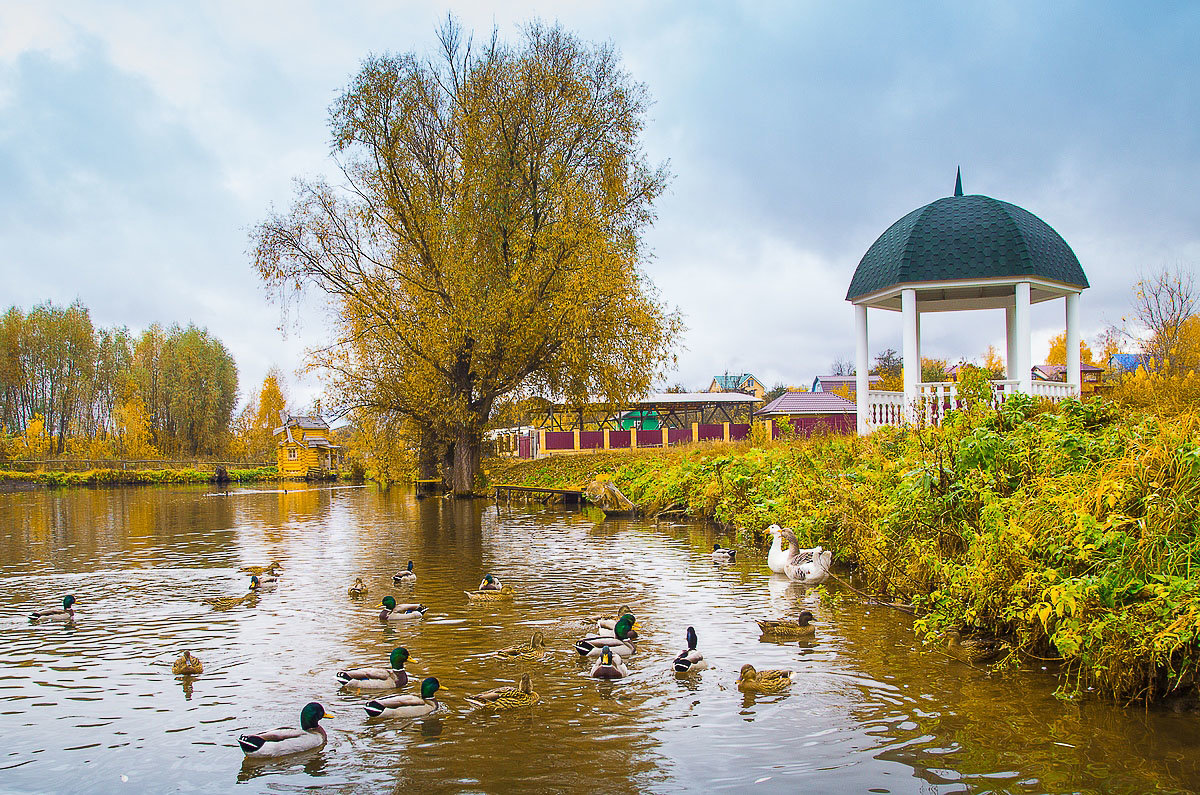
[{"x": 966, "y": 252}]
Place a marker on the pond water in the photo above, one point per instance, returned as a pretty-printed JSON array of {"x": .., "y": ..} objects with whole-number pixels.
[{"x": 94, "y": 704}]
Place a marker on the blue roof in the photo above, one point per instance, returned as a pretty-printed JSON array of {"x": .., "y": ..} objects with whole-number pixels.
[
  {"x": 728, "y": 381},
  {"x": 1126, "y": 361}
]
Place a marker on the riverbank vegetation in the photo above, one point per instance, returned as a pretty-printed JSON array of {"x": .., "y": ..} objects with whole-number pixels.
[
  {"x": 135, "y": 477},
  {"x": 1068, "y": 531}
]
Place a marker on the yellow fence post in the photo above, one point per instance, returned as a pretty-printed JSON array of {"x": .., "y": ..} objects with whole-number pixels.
[
  {"x": 541, "y": 440},
  {"x": 725, "y": 427},
  {"x": 576, "y": 440},
  {"x": 633, "y": 437},
  {"x": 606, "y": 446},
  {"x": 695, "y": 432},
  {"x": 664, "y": 432}
]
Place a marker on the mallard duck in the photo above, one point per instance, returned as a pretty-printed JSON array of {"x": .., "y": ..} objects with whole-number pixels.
[
  {"x": 506, "y": 592},
  {"x": 974, "y": 650},
  {"x": 489, "y": 583},
  {"x": 273, "y": 569},
  {"x": 359, "y": 588},
  {"x": 622, "y": 641},
  {"x": 534, "y": 650},
  {"x": 407, "y": 706},
  {"x": 606, "y": 624},
  {"x": 609, "y": 666},
  {"x": 400, "y": 612},
  {"x": 187, "y": 665},
  {"x": 808, "y": 566},
  {"x": 378, "y": 678},
  {"x": 777, "y": 556},
  {"x": 65, "y": 613},
  {"x": 772, "y": 681},
  {"x": 786, "y": 628},
  {"x": 722, "y": 554},
  {"x": 281, "y": 742},
  {"x": 406, "y": 577},
  {"x": 230, "y": 602},
  {"x": 506, "y": 697},
  {"x": 263, "y": 583},
  {"x": 690, "y": 659}
]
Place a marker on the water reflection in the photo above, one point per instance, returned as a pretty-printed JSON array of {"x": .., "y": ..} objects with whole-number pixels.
[{"x": 868, "y": 712}]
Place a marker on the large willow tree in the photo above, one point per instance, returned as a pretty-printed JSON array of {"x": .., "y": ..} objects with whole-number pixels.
[{"x": 486, "y": 241}]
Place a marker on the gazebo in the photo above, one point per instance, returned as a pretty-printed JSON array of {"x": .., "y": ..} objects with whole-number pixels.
[{"x": 963, "y": 253}]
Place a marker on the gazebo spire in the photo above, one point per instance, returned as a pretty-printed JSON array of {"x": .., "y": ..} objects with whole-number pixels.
[{"x": 958, "y": 182}]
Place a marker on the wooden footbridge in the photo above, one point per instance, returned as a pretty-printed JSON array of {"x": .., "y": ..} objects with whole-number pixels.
[{"x": 506, "y": 491}]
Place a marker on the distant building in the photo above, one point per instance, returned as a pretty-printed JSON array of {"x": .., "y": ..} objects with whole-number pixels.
[
  {"x": 843, "y": 384},
  {"x": 809, "y": 411},
  {"x": 1091, "y": 376},
  {"x": 1120, "y": 363},
  {"x": 302, "y": 447},
  {"x": 743, "y": 382}
]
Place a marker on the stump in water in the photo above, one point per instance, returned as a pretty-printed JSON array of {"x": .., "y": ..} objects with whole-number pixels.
[
  {"x": 220, "y": 476},
  {"x": 604, "y": 492}
]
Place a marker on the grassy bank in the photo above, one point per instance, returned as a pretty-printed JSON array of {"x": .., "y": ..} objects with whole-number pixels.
[
  {"x": 1069, "y": 532},
  {"x": 134, "y": 477}
]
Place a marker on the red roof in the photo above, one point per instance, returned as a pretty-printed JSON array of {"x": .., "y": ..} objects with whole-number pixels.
[{"x": 808, "y": 403}]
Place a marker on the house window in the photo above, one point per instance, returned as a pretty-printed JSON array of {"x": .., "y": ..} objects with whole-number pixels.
[{"x": 293, "y": 453}]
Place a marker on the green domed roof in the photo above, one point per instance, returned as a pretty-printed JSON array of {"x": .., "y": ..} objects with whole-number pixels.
[{"x": 965, "y": 237}]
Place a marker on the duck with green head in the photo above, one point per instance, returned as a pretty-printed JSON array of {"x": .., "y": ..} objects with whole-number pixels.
[
  {"x": 282, "y": 742},
  {"x": 609, "y": 666},
  {"x": 406, "y": 577},
  {"x": 65, "y": 613},
  {"x": 378, "y": 678},
  {"x": 690, "y": 659},
  {"x": 503, "y": 698},
  {"x": 407, "y": 706},
  {"x": 623, "y": 641},
  {"x": 489, "y": 583},
  {"x": 263, "y": 583},
  {"x": 400, "y": 612}
]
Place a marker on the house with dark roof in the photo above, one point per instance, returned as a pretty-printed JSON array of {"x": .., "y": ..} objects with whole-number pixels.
[
  {"x": 302, "y": 447},
  {"x": 809, "y": 412},
  {"x": 741, "y": 382},
  {"x": 843, "y": 384}
]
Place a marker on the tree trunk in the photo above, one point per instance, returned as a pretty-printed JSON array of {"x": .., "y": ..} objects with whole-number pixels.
[
  {"x": 466, "y": 463},
  {"x": 447, "y": 451}
]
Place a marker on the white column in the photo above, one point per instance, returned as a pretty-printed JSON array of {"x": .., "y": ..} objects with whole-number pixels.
[
  {"x": 1024, "y": 357},
  {"x": 861, "y": 351},
  {"x": 1010, "y": 341},
  {"x": 1073, "y": 373},
  {"x": 912, "y": 354}
]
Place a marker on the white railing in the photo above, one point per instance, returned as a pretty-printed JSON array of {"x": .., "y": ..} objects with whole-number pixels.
[
  {"x": 936, "y": 398},
  {"x": 1054, "y": 390},
  {"x": 884, "y": 408}
]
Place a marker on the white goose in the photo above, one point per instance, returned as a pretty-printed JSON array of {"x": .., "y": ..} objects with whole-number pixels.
[
  {"x": 808, "y": 566},
  {"x": 777, "y": 557}
]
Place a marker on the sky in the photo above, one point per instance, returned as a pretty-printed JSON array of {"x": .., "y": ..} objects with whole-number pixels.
[{"x": 140, "y": 142}]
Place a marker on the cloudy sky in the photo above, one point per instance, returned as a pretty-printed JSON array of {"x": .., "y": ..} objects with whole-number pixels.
[{"x": 140, "y": 141}]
